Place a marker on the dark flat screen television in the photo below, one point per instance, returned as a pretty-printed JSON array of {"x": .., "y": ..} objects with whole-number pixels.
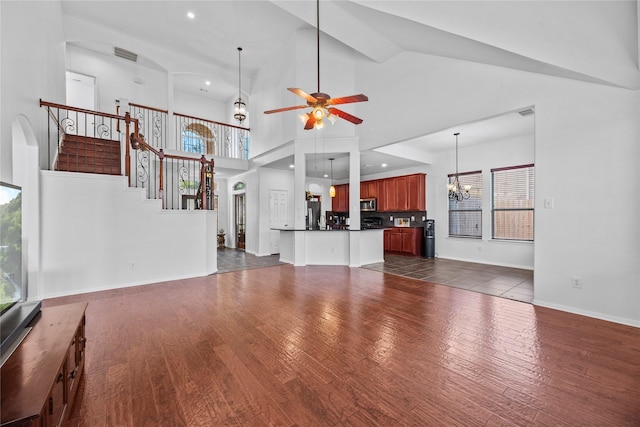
[{"x": 15, "y": 311}]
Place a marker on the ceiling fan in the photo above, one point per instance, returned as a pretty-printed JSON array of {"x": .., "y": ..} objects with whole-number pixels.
[{"x": 321, "y": 103}]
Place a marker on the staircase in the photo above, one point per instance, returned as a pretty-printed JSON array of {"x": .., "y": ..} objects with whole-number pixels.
[{"x": 89, "y": 155}]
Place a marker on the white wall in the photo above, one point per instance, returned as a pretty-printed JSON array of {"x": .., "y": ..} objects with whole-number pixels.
[
  {"x": 99, "y": 234},
  {"x": 119, "y": 78},
  {"x": 202, "y": 107},
  {"x": 510, "y": 152},
  {"x": 586, "y": 153},
  {"x": 32, "y": 58},
  {"x": 271, "y": 179}
]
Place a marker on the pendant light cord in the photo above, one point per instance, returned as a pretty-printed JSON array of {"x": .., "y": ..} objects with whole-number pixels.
[
  {"x": 318, "y": 38},
  {"x": 239, "y": 80}
]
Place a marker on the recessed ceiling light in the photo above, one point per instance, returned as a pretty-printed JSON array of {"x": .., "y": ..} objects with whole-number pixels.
[
  {"x": 208, "y": 83},
  {"x": 191, "y": 15},
  {"x": 291, "y": 166},
  {"x": 326, "y": 175},
  {"x": 384, "y": 165}
]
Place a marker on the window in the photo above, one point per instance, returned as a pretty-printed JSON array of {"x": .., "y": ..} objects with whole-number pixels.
[
  {"x": 512, "y": 202},
  {"x": 465, "y": 216},
  {"x": 192, "y": 142}
]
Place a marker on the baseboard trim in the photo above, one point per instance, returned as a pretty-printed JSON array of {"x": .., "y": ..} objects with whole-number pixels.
[{"x": 587, "y": 313}]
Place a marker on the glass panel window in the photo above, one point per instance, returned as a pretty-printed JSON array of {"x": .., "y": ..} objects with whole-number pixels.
[
  {"x": 192, "y": 142},
  {"x": 512, "y": 202},
  {"x": 465, "y": 216}
]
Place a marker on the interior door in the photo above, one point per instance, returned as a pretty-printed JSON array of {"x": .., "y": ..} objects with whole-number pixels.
[
  {"x": 81, "y": 93},
  {"x": 240, "y": 219}
]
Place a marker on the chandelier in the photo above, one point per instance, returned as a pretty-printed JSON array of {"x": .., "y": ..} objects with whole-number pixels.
[
  {"x": 239, "y": 106},
  {"x": 456, "y": 191}
]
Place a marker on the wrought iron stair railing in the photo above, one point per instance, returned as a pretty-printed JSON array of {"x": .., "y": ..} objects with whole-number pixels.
[{"x": 175, "y": 179}]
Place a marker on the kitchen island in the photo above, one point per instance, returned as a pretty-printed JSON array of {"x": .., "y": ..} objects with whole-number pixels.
[{"x": 331, "y": 247}]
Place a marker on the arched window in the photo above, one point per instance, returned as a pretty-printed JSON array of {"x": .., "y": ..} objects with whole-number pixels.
[
  {"x": 238, "y": 186},
  {"x": 198, "y": 138},
  {"x": 192, "y": 142}
]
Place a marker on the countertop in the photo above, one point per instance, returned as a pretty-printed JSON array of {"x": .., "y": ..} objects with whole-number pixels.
[{"x": 338, "y": 229}]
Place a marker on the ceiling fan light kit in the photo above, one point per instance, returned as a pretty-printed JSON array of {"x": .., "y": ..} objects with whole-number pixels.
[{"x": 319, "y": 102}]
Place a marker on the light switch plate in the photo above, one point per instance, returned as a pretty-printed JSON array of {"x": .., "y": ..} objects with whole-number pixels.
[{"x": 548, "y": 203}]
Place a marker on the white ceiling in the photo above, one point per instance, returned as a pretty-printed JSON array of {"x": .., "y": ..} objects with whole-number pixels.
[{"x": 499, "y": 33}]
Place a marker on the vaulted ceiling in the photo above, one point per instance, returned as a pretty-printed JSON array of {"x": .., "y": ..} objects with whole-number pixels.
[{"x": 592, "y": 41}]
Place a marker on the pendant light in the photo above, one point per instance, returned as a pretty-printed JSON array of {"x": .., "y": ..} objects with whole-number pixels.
[
  {"x": 332, "y": 188},
  {"x": 455, "y": 189},
  {"x": 239, "y": 106}
]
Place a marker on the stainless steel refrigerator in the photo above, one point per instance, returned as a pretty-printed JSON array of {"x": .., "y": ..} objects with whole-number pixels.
[{"x": 313, "y": 215}]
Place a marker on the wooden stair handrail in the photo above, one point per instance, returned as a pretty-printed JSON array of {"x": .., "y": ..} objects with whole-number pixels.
[
  {"x": 211, "y": 121},
  {"x": 80, "y": 110}
]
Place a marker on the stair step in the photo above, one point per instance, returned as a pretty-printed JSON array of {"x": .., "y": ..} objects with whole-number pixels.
[
  {"x": 89, "y": 155},
  {"x": 92, "y": 160},
  {"x": 89, "y": 140},
  {"x": 89, "y": 152},
  {"x": 88, "y": 164}
]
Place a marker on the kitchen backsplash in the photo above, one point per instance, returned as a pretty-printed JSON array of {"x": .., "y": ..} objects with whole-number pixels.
[{"x": 415, "y": 217}]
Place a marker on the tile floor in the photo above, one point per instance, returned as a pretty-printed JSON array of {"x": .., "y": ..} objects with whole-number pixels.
[
  {"x": 505, "y": 282},
  {"x": 234, "y": 259}
]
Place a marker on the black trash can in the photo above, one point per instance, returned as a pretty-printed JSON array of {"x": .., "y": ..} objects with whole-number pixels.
[{"x": 429, "y": 240}]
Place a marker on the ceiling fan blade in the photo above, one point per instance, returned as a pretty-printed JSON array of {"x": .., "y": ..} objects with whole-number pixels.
[
  {"x": 302, "y": 94},
  {"x": 310, "y": 122},
  {"x": 348, "y": 99},
  {"x": 353, "y": 119},
  {"x": 279, "y": 110}
]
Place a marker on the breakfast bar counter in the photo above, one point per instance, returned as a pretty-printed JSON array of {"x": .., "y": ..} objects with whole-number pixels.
[{"x": 331, "y": 247}]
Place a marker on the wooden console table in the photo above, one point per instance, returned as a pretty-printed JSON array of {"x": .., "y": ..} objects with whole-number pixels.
[{"x": 40, "y": 379}]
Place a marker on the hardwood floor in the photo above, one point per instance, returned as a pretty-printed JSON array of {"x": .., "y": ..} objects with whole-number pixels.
[{"x": 334, "y": 346}]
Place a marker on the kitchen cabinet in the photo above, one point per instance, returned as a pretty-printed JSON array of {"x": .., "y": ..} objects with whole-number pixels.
[
  {"x": 389, "y": 190},
  {"x": 40, "y": 379},
  {"x": 416, "y": 192},
  {"x": 368, "y": 190},
  {"x": 401, "y": 193},
  {"x": 397, "y": 194},
  {"x": 340, "y": 203},
  {"x": 404, "y": 240},
  {"x": 380, "y": 194}
]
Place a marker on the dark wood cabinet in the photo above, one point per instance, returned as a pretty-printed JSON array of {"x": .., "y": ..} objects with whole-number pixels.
[
  {"x": 389, "y": 191},
  {"x": 398, "y": 194},
  {"x": 401, "y": 240},
  {"x": 416, "y": 185},
  {"x": 380, "y": 194},
  {"x": 402, "y": 194},
  {"x": 368, "y": 190},
  {"x": 340, "y": 203},
  {"x": 40, "y": 379}
]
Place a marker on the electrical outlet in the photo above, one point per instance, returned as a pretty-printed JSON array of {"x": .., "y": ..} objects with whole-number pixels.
[
  {"x": 391, "y": 218},
  {"x": 424, "y": 218},
  {"x": 548, "y": 203},
  {"x": 413, "y": 218},
  {"x": 576, "y": 283},
  {"x": 132, "y": 265}
]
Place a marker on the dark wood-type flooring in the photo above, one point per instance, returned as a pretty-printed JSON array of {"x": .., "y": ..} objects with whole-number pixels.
[
  {"x": 505, "y": 282},
  {"x": 337, "y": 346}
]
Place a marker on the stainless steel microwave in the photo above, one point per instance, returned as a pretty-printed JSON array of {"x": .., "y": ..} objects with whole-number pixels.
[{"x": 370, "y": 205}]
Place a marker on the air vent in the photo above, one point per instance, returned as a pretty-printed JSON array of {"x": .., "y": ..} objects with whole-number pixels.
[
  {"x": 527, "y": 112},
  {"x": 125, "y": 54}
]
